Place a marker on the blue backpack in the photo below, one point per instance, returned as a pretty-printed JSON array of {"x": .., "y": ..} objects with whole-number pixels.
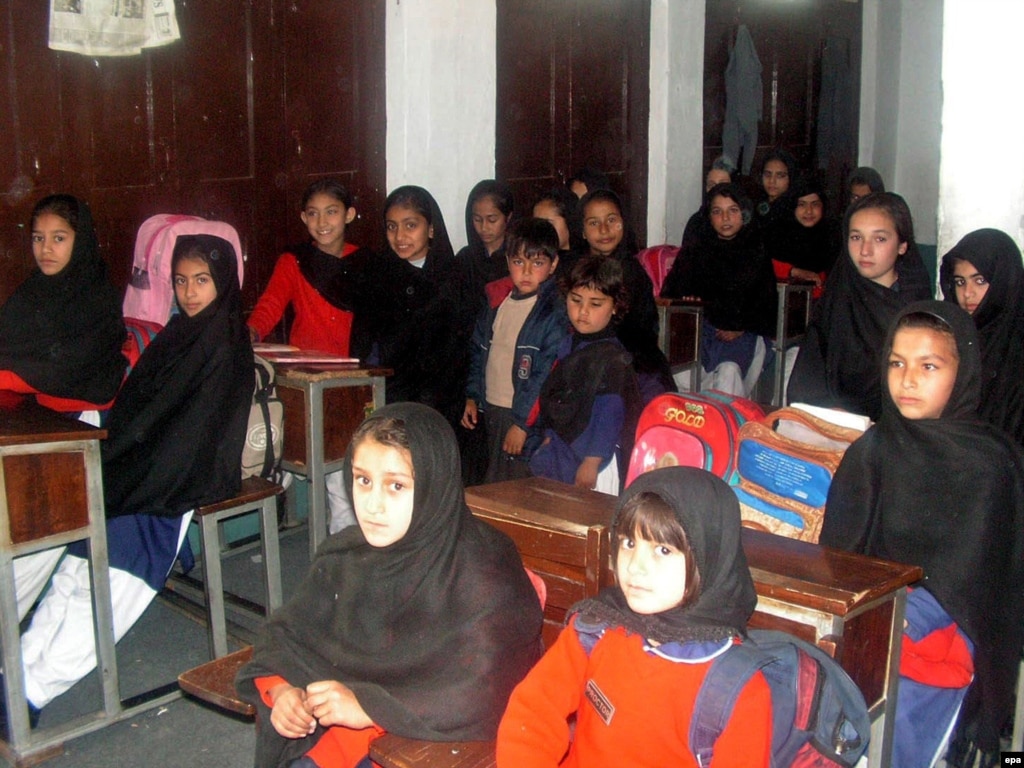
[{"x": 819, "y": 718}]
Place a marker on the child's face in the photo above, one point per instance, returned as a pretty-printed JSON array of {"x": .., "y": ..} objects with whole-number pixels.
[
  {"x": 489, "y": 223},
  {"x": 775, "y": 178},
  {"x": 602, "y": 227},
  {"x": 970, "y": 286},
  {"x": 325, "y": 217},
  {"x": 922, "y": 371},
  {"x": 809, "y": 209},
  {"x": 874, "y": 246},
  {"x": 652, "y": 575},
  {"x": 382, "y": 491},
  {"x": 726, "y": 217},
  {"x": 193, "y": 286},
  {"x": 589, "y": 310},
  {"x": 857, "y": 191},
  {"x": 548, "y": 211},
  {"x": 715, "y": 177},
  {"x": 528, "y": 272},
  {"x": 408, "y": 232},
  {"x": 53, "y": 239}
]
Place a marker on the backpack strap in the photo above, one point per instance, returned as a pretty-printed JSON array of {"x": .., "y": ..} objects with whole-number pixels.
[
  {"x": 717, "y": 696},
  {"x": 262, "y": 395}
]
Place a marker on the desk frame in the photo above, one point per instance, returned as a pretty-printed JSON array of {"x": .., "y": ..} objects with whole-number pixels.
[
  {"x": 312, "y": 387},
  {"x": 27, "y": 746},
  {"x": 783, "y": 338},
  {"x": 682, "y": 350}
]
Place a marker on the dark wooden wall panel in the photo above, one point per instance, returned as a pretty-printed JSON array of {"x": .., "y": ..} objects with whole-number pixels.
[{"x": 230, "y": 122}]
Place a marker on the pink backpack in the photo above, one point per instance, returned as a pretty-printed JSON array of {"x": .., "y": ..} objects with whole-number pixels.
[
  {"x": 149, "y": 295},
  {"x": 657, "y": 261}
]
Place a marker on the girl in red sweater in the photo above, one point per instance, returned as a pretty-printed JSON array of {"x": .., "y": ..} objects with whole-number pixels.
[
  {"x": 319, "y": 278},
  {"x": 632, "y": 660}
]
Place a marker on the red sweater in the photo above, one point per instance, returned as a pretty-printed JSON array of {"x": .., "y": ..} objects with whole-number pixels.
[
  {"x": 319, "y": 325},
  {"x": 652, "y": 699}
]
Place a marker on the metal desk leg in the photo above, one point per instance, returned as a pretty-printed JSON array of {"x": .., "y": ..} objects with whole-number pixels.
[
  {"x": 882, "y": 729},
  {"x": 315, "y": 461}
]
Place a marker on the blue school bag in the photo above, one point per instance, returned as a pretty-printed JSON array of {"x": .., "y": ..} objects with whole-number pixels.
[{"x": 819, "y": 717}]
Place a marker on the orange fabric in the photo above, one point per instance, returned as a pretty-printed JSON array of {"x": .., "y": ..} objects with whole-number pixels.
[
  {"x": 941, "y": 658},
  {"x": 264, "y": 684},
  {"x": 652, "y": 702}
]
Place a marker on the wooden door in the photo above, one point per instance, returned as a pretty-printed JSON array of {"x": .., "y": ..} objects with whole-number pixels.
[
  {"x": 790, "y": 39},
  {"x": 572, "y": 91}
]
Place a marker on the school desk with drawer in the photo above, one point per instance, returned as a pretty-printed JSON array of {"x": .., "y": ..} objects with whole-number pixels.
[{"x": 850, "y": 605}]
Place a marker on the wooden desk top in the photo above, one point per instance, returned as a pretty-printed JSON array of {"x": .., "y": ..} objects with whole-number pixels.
[
  {"x": 391, "y": 751},
  {"x": 818, "y": 577},
  {"x": 28, "y": 422},
  {"x": 558, "y": 505},
  {"x": 310, "y": 372}
]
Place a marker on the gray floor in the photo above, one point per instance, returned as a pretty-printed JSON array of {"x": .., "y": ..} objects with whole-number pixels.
[{"x": 166, "y": 641}]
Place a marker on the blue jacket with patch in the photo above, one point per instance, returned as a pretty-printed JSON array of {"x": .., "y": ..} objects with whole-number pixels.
[{"x": 536, "y": 347}]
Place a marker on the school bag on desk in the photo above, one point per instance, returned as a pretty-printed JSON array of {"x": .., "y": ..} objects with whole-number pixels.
[
  {"x": 691, "y": 430},
  {"x": 785, "y": 462}
]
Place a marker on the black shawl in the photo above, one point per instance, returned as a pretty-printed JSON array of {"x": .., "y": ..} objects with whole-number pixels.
[
  {"x": 1000, "y": 323},
  {"x": 338, "y": 279},
  {"x": 419, "y": 320},
  {"x": 597, "y": 365},
  {"x": 430, "y": 633},
  {"x": 177, "y": 429},
  {"x": 946, "y": 494},
  {"x": 837, "y": 366},
  {"x": 814, "y": 248},
  {"x": 710, "y": 514},
  {"x": 733, "y": 277},
  {"x": 63, "y": 333}
]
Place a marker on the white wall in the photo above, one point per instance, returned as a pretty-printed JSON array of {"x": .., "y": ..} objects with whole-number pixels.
[
  {"x": 981, "y": 180},
  {"x": 676, "y": 132},
  {"x": 441, "y": 92},
  {"x": 901, "y": 102}
]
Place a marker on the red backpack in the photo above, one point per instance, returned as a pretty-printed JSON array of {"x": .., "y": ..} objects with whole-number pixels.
[{"x": 691, "y": 430}]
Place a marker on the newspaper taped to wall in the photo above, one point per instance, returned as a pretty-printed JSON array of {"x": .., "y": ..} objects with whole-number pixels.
[{"x": 111, "y": 27}]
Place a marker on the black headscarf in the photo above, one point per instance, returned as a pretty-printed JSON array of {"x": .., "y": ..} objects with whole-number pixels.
[
  {"x": 999, "y": 319},
  {"x": 813, "y": 248},
  {"x": 733, "y": 277},
  {"x": 63, "y": 333},
  {"x": 710, "y": 514},
  {"x": 177, "y": 429},
  {"x": 430, "y": 633},
  {"x": 837, "y": 366},
  {"x": 419, "y": 319},
  {"x": 946, "y": 494},
  {"x": 338, "y": 279},
  {"x": 480, "y": 266}
]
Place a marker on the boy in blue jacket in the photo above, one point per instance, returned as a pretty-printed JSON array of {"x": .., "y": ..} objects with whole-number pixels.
[{"x": 514, "y": 347}]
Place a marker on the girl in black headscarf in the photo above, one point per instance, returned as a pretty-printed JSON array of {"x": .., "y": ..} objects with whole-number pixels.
[
  {"x": 61, "y": 331},
  {"x": 728, "y": 270},
  {"x": 642, "y": 648},
  {"x": 418, "y": 621},
  {"x": 489, "y": 211},
  {"x": 984, "y": 275},
  {"x": 806, "y": 246},
  {"x": 420, "y": 309},
  {"x": 838, "y": 362},
  {"x": 934, "y": 485},
  {"x": 174, "y": 442}
]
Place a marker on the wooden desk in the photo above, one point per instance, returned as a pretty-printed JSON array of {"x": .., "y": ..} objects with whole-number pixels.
[
  {"x": 391, "y": 751},
  {"x": 323, "y": 406},
  {"x": 850, "y": 605},
  {"x": 51, "y": 494}
]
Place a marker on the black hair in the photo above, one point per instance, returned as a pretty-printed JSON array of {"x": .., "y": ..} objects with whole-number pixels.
[
  {"x": 784, "y": 157},
  {"x": 385, "y": 430},
  {"x": 733, "y": 192},
  {"x": 722, "y": 163},
  {"x": 869, "y": 177},
  {"x": 65, "y": 206},
  {"x": 590, "y": 177},
  {"x": 602, "y": 274},
  {"x": 498, "y": 192},
  {"x": 532, "y": 237},
  {"x": 410, "y": 196},
  {"x": 893, "y": 206},
  {"x": 929, "y": 322},
  {"x": 649, "y": 516},
  {"x": 331, "y": 187},
  {"x": 568, "y": 207},
  {"x": 810, "y": 186}
]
